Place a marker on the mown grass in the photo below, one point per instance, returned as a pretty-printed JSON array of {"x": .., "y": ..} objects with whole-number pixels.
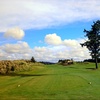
[{"x": 54, "y": 82}]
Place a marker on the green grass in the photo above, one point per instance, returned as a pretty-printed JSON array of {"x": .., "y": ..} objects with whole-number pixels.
[{"x": 54, "y": 82}]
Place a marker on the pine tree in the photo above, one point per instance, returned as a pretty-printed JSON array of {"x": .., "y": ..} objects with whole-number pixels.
[{"x": 93, "y": 42}]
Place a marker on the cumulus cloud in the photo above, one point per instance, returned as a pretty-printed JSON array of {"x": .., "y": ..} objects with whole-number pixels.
[
  {"x": 19, "y": 50},
  {"x": 53, "y": 39},
  {"x": 60, "y": 52},
  {"x": 70, "y": 43},
  {"x": 15, "y": 33},
  {"x": 19, "y": 47},
  {"x": 68, "y": 48},
  {"x": 29, "y": 14},
  {"x": 65, "y": 49}
]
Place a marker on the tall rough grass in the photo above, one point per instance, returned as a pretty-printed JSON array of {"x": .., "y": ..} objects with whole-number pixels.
[{"x": 8, "y": 66}]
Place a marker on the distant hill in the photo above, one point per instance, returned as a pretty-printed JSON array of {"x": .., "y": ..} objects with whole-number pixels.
[{"x": 43, "y": 62}]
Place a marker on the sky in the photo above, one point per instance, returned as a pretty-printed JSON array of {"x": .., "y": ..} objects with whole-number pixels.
[{"x": 48, "y": 30}]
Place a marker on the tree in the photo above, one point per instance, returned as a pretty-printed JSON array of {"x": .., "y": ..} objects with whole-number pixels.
[
  {"x": 93, "y": 42},
  {"x": 33, "y": 60}
]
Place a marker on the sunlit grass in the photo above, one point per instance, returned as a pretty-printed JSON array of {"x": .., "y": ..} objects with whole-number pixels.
[{"x": 52, "y": 82}]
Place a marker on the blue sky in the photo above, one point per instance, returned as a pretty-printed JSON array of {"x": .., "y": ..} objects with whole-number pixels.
[
  {"x": 48, "y": 30},
  {"x": 70, "y": 31}
]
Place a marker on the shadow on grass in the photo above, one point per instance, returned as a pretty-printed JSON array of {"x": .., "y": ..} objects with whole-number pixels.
[
  {"x": 91, "y": 68},
  {"x": 23, "y": 75},
  {"x": 29, "y": 75}
]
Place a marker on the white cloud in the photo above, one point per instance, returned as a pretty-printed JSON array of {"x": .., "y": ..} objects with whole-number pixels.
[
  {"x": 70, "y": 43},
  {"x": 20, "y": 50},
  {"x": 19, "y": 47},
  {"x": 53, "y": 39},
  {"x": 15, "y": 33},
  {"x": 60, "y": 52},
  {"x": 29, "y": 14},
  {"x": 65, "y": 49},
  {"x": 68, "y": 48}
]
